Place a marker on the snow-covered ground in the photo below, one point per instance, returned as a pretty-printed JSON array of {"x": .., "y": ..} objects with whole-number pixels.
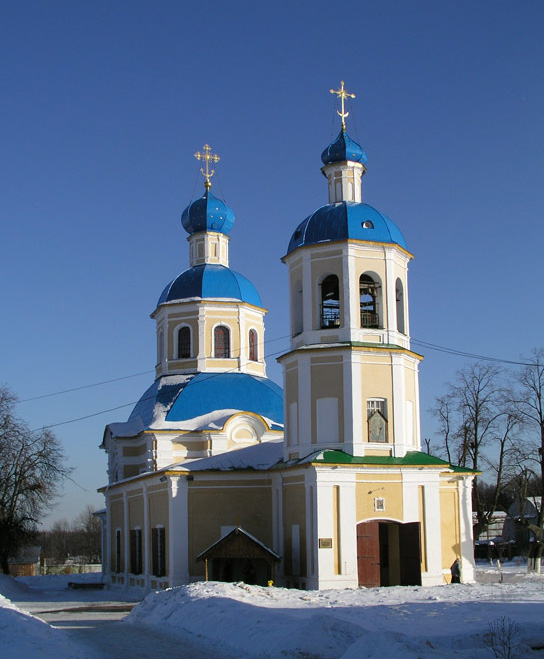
[{"x": 250, "y": 621}]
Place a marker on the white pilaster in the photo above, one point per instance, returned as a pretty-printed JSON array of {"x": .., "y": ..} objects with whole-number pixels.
[
  {"x": 465, "y": 524},
  {"x": 178, "y": 548},
  {"x": 433, "y": 536}
]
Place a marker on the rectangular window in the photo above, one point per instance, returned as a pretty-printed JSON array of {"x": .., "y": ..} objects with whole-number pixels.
[
  {"x": 118, "y": 550},
  {"x": 136, "y": 551},
  {"x": 158, "y": 551}
]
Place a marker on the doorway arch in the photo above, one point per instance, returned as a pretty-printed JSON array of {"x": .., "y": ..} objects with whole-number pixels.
[{"x": 388, "y": 554}]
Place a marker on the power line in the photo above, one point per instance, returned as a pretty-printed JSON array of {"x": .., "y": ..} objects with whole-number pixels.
[
  {"x": 469, "y": 355},
  {"x": 85, "y": 386},
  {"x": 425, "y": 344},
  {"x": 141, "y": 400}
]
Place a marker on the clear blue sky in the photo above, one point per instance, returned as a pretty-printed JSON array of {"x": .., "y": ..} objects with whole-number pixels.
[{"x": 104, "y": 104}]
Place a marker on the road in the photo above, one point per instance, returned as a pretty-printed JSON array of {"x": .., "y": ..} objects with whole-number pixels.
[{"x": 96, "y": 627}]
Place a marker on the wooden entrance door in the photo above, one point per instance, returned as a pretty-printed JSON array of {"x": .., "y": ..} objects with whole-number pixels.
[{"x": 368, "y": 554}]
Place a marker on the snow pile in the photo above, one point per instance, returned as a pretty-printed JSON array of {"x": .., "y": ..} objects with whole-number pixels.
[
  {"x": 441, "y": 621},
  {"x": 23, "y": 636}
]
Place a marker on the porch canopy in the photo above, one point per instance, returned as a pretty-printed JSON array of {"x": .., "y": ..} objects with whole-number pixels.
[{"x": 239, "y": 556}]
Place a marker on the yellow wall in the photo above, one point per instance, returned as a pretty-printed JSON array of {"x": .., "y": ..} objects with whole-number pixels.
[
  {"x": 386, "y": 486},
  {"x": 294, "y": 512},
  {"x": 213, "y": 504}
]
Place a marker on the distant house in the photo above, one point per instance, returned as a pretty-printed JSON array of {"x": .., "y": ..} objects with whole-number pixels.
[
  {"x": 513, "y": 529},
  {"x": 27, "y": 563}
]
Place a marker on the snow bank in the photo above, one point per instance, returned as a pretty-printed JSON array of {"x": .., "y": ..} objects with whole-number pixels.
[
  {"x": 23, "y": 636},
  {"x": 443, "y": 621}
]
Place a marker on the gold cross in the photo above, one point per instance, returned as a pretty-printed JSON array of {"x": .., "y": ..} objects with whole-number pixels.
[
  {"x": 208, "y": 157},
  {"x": 342, "y": 95}
]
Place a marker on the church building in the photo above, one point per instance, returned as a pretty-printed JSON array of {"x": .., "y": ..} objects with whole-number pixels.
[{"x": 219, "y": 474}]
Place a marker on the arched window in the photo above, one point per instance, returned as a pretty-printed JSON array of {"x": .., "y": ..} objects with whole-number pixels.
[
  {"x": 368, "y": 290},
  {"x": 296, "y": 301},
  {"x": 221, "y": 341},
  {"x": 252, "y": 341},
  {"x": 399, "y": 297},
  {"x": 330, "y": 302},
  {"x": 184, "y": 343}
]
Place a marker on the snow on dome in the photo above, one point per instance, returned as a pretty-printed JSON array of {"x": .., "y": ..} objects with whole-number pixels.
[{"x": 206, "y": 399}]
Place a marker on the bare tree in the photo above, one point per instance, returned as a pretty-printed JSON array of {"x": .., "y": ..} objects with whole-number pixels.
[
  {"x": 31, "y": 467},
  {"x": 89, "y": 531},
  {"x": 529, "y": 402},
  {"x": 477, "y": 425}
]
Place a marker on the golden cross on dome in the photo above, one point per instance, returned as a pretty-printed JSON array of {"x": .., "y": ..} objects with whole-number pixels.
[
  {"x": 208, "y": 157},
  {"x": 342, "y": 95}
]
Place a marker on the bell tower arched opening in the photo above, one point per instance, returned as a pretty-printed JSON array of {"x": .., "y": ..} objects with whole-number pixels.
[
  {"x": 370, "y": 294},
  {"x": 330, "y": 302}
]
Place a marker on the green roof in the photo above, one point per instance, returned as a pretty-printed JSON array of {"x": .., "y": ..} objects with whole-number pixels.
[{"x": 411, "y": 459}]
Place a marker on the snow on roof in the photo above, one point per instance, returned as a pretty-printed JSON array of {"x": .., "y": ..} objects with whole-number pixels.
[{"x": 259, "y": 456}]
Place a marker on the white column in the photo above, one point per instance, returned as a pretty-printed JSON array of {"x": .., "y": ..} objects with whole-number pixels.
[
  {"x": 465, "y": 527},
  {"x": 178, "y": 530},
  {"x": 399, "y": 405},
  {"x": 390, "y": 300},
  {"x": 308, "y": 294},
  {"x": 433, "y": 536},
  {"x": 201, "y": 354},
  {"x": 305, "y": 406}
]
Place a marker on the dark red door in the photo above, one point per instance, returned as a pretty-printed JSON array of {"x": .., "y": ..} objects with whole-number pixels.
[{"x": 368, "y": 554}]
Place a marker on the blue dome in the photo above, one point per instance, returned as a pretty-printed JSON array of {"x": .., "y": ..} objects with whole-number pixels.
[
  {"x": 205, "y": 281},
  {"x": 181, "y": 399},
  {"x": 208, "y": 392},
  {"x": 342, "y": 149},
  {"x": 346, "y": 220},
  {"x": 207, "y": 214}
]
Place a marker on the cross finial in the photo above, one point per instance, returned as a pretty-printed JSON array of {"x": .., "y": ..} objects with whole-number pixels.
[
  {"x": 342, "y": 95},
  {"x": 208, "y": 157}
]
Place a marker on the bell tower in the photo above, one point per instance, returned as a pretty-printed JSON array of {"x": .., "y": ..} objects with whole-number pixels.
[{"x": 350, "y": 377}]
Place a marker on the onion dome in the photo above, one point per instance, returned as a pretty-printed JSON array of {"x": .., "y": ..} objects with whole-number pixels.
[
  {"x": 346, "y": 220},
  {"x": 208, "y": 214},
  {"x": 342, "y": 149},
  {"x": 211, "y": 281}
]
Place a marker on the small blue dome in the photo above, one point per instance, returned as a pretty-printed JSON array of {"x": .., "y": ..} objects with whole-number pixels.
[
  {"x": 211, "y": 281},
  {"x": 345, "y": 220},
  {"x": 207, "y": 214},
  {"x": 343, "y": 148}
]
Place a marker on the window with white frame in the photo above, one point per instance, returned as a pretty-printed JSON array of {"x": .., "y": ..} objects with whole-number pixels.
[
  {"x": 184, "y": 342},
  {"x": 221, "y": 338},
  {"x": 158, "y": 548},
  {"x": 136, "y": 551},
  {"x": 118, "y": 550}
]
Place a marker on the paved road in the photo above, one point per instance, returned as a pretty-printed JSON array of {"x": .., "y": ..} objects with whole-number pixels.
[
  {"x": 103, "y": 634},
  {"x": 97, "y": 628}
]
